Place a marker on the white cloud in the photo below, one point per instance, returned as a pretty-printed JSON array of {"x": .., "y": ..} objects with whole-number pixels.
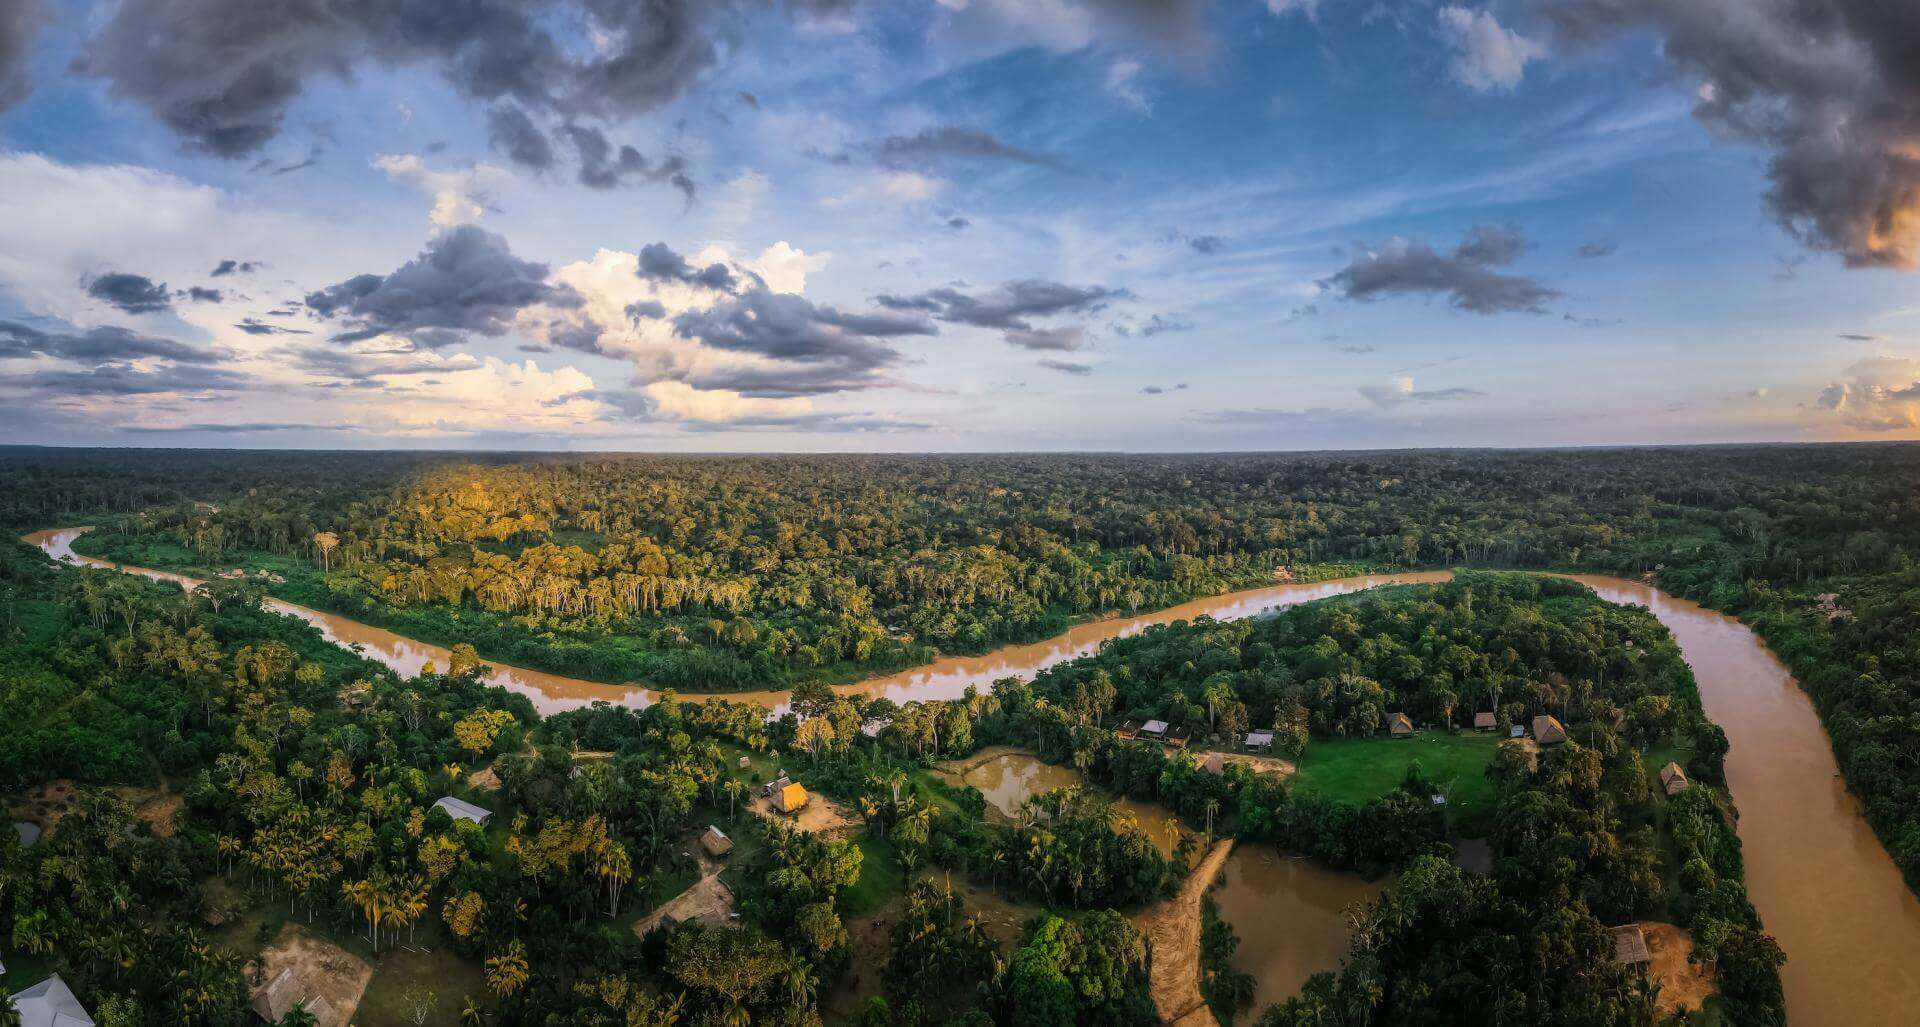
[
  {"x": 495, "y": 395},
  {"x": 1486, "y": 55},
  {"x": 460, "y": 196},
  {"x": 1123, "y": 81},
  {"x": 59, "y": 222},
  {"x": 610, "y": 285},
  {"x": 1879, "y": 393},
  {"x": 678, "y": 401}
]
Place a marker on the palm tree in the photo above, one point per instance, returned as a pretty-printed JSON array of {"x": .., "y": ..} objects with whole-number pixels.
[
  {"x": 298, "y": 1016},
  {"x": 507, "y": 972},
  {"x": 9, "y": 1016},
  {"x": 471, "y": 1015}
]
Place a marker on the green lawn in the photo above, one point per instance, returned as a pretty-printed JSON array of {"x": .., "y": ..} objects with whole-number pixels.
[
  {"x": 1358, "y": 769},
  {"x": 881, "y": 879}
]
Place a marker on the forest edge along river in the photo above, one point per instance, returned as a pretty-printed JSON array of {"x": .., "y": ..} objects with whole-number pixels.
[{"x": 1823, "y": 884}]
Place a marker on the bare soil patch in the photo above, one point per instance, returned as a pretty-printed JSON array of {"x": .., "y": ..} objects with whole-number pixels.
[
  {"x": 819, "y": 816},
  {"x": 1684, "y": 984},
  {"x": 1260, "y": 764},
  {"x": 45, "y": 803},
  {"x": 300, "y": 965},
  {"x": 156, "y": 806}
]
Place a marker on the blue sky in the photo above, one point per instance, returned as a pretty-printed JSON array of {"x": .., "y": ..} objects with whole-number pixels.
[{"x": 947, "y": 225}]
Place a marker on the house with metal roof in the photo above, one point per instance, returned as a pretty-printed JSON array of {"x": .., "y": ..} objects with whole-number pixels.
[
  {"x": 50, "y": 1004},
  {"x": 460, "y": 809}
]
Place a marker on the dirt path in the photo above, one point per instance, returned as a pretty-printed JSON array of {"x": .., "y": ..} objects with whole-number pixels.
[{"x": 1173, "y": 928}]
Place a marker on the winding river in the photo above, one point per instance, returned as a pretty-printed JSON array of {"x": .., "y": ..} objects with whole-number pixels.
[{"x": 1822, "y": 883}]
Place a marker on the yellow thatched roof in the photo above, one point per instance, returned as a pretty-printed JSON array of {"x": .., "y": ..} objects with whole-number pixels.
[{"x": 792, "y": 797}]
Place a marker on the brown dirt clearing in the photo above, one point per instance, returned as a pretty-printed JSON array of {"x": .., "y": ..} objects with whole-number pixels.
[
  {"x": 1684, "y": 984},
  {"x": 321, "y": 970}
]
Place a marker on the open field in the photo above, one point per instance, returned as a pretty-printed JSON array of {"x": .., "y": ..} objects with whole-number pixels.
[{"x": 1358, "y": 769}]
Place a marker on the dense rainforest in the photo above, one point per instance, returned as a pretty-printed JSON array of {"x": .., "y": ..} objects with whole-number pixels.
[
  {"x": 723, "y": 573},
  {"x": 733, "y": 572}
]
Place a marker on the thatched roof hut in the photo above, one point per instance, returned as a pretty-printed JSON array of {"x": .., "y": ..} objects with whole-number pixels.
[
  {"x": 716, "y": 842},
  {"x": 1400, "y": 725},
  {"x": 1673, "y": 778},
  {"x": 790, "y": 799},
  {"x": 1214, "y": 764},
  {"x": 1484, "y": 720},
  {"x": 1547, "y": 730},
  {"x": 1630, "y": 946}
]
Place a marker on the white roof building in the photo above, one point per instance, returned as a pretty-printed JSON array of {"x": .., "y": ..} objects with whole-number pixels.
[
  {"x": 50, "y": 1004},
  {"x": 1154, "y": 727},
  {"x": 460, "y": 809},
  {"x": 1259, "y": 739}
]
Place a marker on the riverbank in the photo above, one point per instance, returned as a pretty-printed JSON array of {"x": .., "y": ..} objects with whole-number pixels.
[{"x": 597, "y": 656}]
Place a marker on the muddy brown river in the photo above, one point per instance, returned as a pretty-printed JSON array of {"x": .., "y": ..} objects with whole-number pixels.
[{"x": 1821, "y": 881}]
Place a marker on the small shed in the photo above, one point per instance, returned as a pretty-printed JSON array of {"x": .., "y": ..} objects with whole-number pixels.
[
  {"x": 1630, "y": 946},
  {"x": 1214, "y": 764},
  {"x": 1547, "y": 730},
  {"x": 1673, "y": 778},
  {"x": 775, "y": 786},
  {"x": 1154, "y": 729},
  {"x": 461, "y": 809},
  {"x": 279, "y": 996},
  {"x": 51, "y": 1004},
  {"x": 1484, "y": 721},
  {"x": 1259, "y": 739},
  {"x": 716, "y": 842},
  {"x": 1129, "y": 730},
  {"x": 1400, "y": 725},
  {"x": 790, "y": 799},
  {"x": 1177, "y": 738}
]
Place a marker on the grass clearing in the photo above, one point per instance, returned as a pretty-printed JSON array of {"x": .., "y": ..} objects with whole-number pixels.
[
  {"x": 1355, "y": 770},
  {"x": 881, "y": 879}
]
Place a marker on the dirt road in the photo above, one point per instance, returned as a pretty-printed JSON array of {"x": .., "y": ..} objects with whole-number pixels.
[{"x": 1173, "y": 927}]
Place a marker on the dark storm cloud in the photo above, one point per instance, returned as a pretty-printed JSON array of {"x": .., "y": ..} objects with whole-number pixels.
[
  {"x": 1011, "y": 308},
  {"x": 1067, "y": 367},
  {"x": 952, "y": 142},
  {"x": 466, "y": 280},
  {"x": 347, "y": 366},
  {"x": 234, "y": 267},
  {"x": 1065, "y": 338},
  {"x": 1465, "y": 276},
  {"x": 958, "y": 223},
  {"x": 1598, "y": 248},
  {"x": 1207, "y": 244},
  {"x": 230, "y": 70},
  {"x": 1830, "y": 87},
  {"x": 98, "y": 345},
  {"x": 604, "y": 167},
  {"x": 119, "y": 379},
  {"x": 255, "y": 326},
  {"x": 134, "y": 294},
  {"x": 514, "y": 134},
  {"x": 823, "y": 349},
  {"x": 661, "y": 263},
  {"x": 201, "y": 294},
  {"x": 19, "y": 22}
]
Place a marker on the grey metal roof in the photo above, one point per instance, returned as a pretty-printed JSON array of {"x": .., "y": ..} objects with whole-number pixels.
[
  {"x": 28, "y": 831},
  {"x": 50, "y": 1004},
  {"x": 460, "y": 809}
]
